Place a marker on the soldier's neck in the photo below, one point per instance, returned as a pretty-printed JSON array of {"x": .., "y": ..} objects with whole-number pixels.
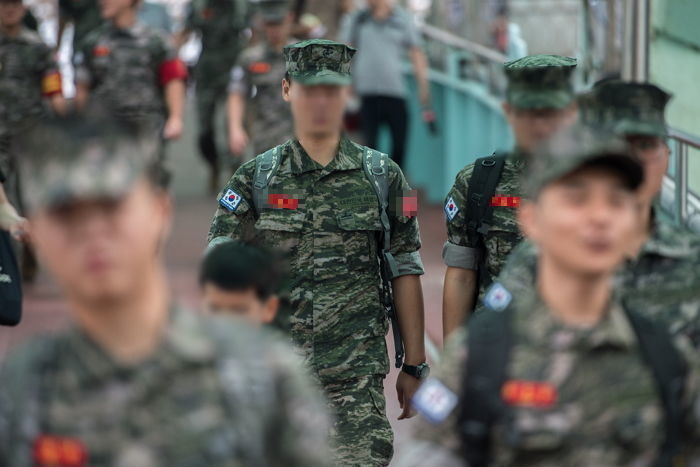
[
  {"x": 130, "y": 328},
  {"x": 320, "y": 148},
  {"x": 573, "y": 298},
  {"x": 125, "y": 20}
]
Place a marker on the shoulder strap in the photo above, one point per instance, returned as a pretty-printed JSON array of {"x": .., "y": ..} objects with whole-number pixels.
[
  {"x": 359, "y": 20},
  {"x": 376, "y": 167},
  {"x": 670, "y": 371},
  {"x": 482, "y": 187},
  {"x": 266, "y": 166},
  {"x": 490, "y": 338}
]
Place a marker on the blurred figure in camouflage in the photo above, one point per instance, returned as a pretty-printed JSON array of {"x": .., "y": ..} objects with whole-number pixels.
[
  {"x": 480, "y": 207},
  {"x": 564, "y": 373},
  {"x": 220, "y": 24},
  {"x": 138, "y": 381},
  {"x": 85, "y": 17},
  {"x": 29, "y": 80},
  {"x": 662, "y": 275},
  {"x": 257, "y": 114},
  {"x": 131, "y": 70},
  {"x": 314, "y": 198}
]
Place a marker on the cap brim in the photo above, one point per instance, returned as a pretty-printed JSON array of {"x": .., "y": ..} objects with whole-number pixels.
[
  {"x": 629, "y": 168},
  {"x": 540, "y": 99},
  {"x": 626, "y": 127},
  {"x": 326, "y": 77},
  {"x": 277, "y": 17}
]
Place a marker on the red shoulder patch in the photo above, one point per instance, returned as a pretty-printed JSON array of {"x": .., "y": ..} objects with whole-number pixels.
[{"x": 58, "y": 451}]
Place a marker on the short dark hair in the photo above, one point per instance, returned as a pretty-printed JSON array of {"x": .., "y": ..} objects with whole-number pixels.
[{"x": 239, "y": 266}]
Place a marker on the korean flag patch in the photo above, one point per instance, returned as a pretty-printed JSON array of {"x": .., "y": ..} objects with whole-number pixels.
[
  {"x": 451, "y": 209},
  {"x": 498, "y": 297},
  {"x": 434, "y": 401},
  {"x": 230, "y": 200}
]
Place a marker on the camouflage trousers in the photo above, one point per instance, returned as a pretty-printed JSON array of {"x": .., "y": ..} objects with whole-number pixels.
[{"x": 361, "y": 434}]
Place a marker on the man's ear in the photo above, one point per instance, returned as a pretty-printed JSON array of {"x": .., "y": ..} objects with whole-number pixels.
[
  {"x": 272, "y": 304},
  {"x": 286, "y": 88}
]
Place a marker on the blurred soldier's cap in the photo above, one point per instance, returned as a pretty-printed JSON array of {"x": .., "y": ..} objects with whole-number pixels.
[
  {"x": 626, "y": 108},
  {"x": 319, "y": 61},
  {"x": 84, "y": 157},
  {"x": 540, "y": 82},
  {"x": 273, "y": 11},
  {"x": 578, "y": 147}
]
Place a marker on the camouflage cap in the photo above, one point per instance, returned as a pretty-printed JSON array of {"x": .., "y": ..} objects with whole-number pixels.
[
  {"x": 540, "y": 82},
  {"x": 273, "y": 11},
  {"x": 79, "y": 157},
  {"x": 578, "y": 147},
  {"x": 626, "y": 108},
  {"x": 319, "y": 61}
]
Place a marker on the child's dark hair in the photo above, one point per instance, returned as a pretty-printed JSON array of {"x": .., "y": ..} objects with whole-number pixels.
[{"x": 239, "y": 266}]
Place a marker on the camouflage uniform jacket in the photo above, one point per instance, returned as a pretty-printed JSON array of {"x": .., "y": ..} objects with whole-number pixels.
[
  {"x": 215, "y": 393},
  {"x": 603, "y": 407},
  {"x": 28, "y": 72},
  {"x": 503, "y": 234},
  {"x": 329, "y": 231},
  {"x": 662, "y": 282},
  {"x": 122, "y": 67},
  {"x": 258, "y": 78}
]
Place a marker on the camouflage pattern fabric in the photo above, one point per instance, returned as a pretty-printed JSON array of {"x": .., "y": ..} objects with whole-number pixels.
[
  {"x": 320, "y": 61},
  {"x": 85, "y": 15},
  {"x": 540, "y": 82},
  {"x": 268, "y": 117},
  {"x": 589, "y": 420},
  {"x": 328, "y": 228},
  {"x": 504, "y": 233},
  {"x": 122, "y": 68},
  {"x": 215, "y": 393},
  {"x": 361, "y": 433}
]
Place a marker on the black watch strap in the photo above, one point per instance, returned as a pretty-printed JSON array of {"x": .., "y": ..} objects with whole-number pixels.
[{"x": 420, "y": 371}]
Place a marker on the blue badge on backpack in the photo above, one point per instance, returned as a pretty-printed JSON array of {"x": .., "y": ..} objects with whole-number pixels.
[
  {"x": 230, "y": 200},
  {"x": 498, "y": 297}
]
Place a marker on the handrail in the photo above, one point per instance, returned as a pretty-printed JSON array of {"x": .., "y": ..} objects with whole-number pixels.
[
  {"x": 685, "y": 137},
  {"x": 683, "y": 195},
  {"x": 457, "y": 42}
]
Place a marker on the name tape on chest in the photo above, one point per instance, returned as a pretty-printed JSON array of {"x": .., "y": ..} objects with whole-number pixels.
[
  {"x": 231, "y": 200},
  {"x": 451, "y": 208},
  {"x": 434, "y": 401},
  {"x": 529, "y": 394},
  {"x": 505, "y": 201},
  {"x": 59, "y": 451}
]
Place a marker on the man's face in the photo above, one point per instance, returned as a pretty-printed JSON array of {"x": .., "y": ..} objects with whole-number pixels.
[
  {"x": 103, "y": 250},
  {"x": 531, "y": 127},
  {"x": 653, "y": 153},
  {"x": 245, "y": 304},
  {"x": 278, "y": 31},
  {"x": 318, "y": 110},
  {"x": 583, "y": 222},
  {"x": 11, "y": 13},
  {"x": 110, "y": 9}
]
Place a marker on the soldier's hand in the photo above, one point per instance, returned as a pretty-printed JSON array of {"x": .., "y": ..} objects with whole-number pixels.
[
  {"x": 173, "y": 128},
  {"x": 238, "y": 141},
  {"x": 406, "y": 387},
  {"x": 12, "y": 222}
]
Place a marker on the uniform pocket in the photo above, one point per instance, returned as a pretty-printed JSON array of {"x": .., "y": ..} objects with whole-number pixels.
[
  {"x": 360, "y": 232},
  {"x": 281, "y": 230}
]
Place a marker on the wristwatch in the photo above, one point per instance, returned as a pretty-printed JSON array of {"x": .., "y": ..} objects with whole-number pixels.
[{"x": 420, "y": 372}]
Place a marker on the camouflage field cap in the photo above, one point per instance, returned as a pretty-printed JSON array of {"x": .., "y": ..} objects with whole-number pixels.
[
  {"x": 72, "y": 158},
  {"x": 540, "y": 82},
  {"x": 273, "y": 11},
  {"x": 578, "y": 147},
  {"x": 626, "y": 108},
  {"x": 319, "y": 61}
]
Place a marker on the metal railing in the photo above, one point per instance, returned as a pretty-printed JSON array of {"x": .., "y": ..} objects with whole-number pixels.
[{"x": 678, "y": 198}]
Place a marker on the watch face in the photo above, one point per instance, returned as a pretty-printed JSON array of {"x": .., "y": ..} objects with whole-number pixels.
[{"x": 423, "y": 371}]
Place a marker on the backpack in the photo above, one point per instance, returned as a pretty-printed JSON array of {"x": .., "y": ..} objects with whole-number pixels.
[
  {"x": 375, "y": 166},
  {"x": 10, "y": 283},
  {"x": 490, "y": 337}
]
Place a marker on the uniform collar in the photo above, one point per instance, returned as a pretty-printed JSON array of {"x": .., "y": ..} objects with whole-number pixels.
[{"x": 347, "y": 157}]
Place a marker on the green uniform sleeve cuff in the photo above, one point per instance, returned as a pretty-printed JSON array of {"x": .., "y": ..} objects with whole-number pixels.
[
  {"x": 463, "y": 257},
  {"x": 409, "y": 264},
  {"x": 217, "y": 241}
]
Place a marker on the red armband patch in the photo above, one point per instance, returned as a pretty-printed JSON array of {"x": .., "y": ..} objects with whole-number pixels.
[
  {"x": 171, "y": 70},
  {"x": 259, "y": 68},
  {"x": 51, "y": 84},
  {"x": 57, "y": 451}
]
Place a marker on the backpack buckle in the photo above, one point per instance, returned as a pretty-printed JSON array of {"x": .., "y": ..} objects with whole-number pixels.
[
  {"x": 477, "y": 197},
  {"x": 490, "y": 162},
  {"x": 265, "y": 166}
]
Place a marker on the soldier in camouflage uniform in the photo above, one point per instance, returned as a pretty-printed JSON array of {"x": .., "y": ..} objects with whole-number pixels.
[
  {"x": 220, "y": 24},
  {"x": 322, "y": 211},
  {"x": 85, "y": 16},
  {"x": 578, "y": 387},
  {"x": 132, "y": 70},
  {"x": 539, "y": 101},
  {"x": 29, "y": 79},
  {"x": 662, "y": 276},
  {"x": 255, "y": 103},
  {"x": 138, "y": 381}
]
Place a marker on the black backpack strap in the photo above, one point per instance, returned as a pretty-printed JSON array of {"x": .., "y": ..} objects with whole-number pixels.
[
  {"x": 266, "y": 166},
  {"x": 482, "y": 187},
  {"x": 489, "y": 347},
  {"x": 670, "y": 372},
  {"x": 376, "y": 167}
]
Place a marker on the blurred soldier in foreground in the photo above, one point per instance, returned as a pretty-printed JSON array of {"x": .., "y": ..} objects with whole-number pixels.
[
  {"x": 564, "y": 374},
  {"x": 661, "y": 277},
  {"x": 480, "y": 208},
  {"x": 314, "y": 198},
  {"x": 29, "y": 79},
  {"x": 257, "y": 112},
  {"x": 220, "y": 25},
  {"x": 137, "y": 381}
]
